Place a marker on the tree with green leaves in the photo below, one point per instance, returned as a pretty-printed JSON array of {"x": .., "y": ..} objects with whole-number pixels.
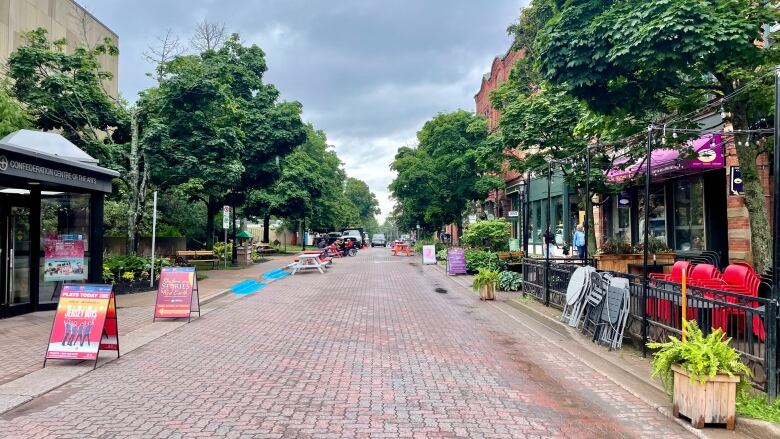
[
  {"x": 455, "y": 162},
  {"x": 216, "y": 127},
  {"x": 13, "y": 116},
  {"x": 62, "y": 90},
  {"x": 359, "y": 194},
  {"x": 641, "y": 60}
]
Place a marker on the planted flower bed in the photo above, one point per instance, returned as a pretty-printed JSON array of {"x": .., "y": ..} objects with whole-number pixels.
[{"x": 130, "y": 274}]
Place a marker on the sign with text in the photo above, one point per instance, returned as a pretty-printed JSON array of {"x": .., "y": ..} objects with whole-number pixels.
[
  {"x": 472, "y": 219},
  {"x": 456, "y": 261},
  {"x": 513, "y": 214},
  {"x": 737, "y": 184},
  {"x": 63, "y": 259},
  {"x": 177, "y": 293},
  {"x": 429, "y": 254},
  {"x": 225, "y": 217},
  {"x": 84, "y": 324}
]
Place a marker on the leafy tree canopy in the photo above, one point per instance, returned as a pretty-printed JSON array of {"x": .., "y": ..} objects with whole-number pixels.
[{"x": 63, "y": 90}]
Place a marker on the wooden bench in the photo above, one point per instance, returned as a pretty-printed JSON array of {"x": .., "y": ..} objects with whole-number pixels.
[
  {"x": 195, "y": 256},
  {"x": 264, "y": 249}
]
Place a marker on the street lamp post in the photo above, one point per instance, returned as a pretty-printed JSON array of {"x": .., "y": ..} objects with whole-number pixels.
[{"x": 524, "y": 218}]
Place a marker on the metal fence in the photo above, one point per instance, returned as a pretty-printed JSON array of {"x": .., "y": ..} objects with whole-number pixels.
[{"x": 656, "y": 313}]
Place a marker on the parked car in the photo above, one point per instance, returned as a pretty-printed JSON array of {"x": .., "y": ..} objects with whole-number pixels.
[
  {"x": 356, "y": 234},
  {"x": 378, "y": 240}
]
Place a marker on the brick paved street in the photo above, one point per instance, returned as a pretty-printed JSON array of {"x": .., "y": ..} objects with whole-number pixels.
[{"x": 369, "y": 349}]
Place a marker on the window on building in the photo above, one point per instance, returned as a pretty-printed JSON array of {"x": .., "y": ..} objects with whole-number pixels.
[
  {"x": 657, "y": 215},
  {"x": 689, "y": 215},
  {"x": 621, "y": 219},
  {"x": 64, "y": 221}
]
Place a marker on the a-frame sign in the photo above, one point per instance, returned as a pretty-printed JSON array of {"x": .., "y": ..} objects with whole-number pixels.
[
  {"x": 85, "y": 323},
  {"x": 177, "y": 294}
]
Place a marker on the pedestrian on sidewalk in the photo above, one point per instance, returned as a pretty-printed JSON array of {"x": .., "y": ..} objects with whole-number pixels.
[{"x": 579, "y": 241}]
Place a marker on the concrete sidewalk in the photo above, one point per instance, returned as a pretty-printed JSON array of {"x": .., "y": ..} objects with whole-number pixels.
[{"x": 23, "y": 339}]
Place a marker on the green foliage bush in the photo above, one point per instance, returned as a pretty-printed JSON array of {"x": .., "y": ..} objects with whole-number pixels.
[
  {"x": 129, "y": 268},
  {"x": 219, "y": 249},
  {"x": 509, "y": 281},
  {"x": 703, "y": 357},
  {"x": 476, "y": 259},
  {"x": 490, "y": 235},
  {"x": 441, "y": 255}
]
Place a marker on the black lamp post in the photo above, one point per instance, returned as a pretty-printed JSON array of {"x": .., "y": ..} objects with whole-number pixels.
[{"x": 523, "y": 218}]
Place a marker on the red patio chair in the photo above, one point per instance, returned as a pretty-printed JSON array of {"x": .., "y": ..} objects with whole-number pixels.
[{"x": 662, "y": 308}]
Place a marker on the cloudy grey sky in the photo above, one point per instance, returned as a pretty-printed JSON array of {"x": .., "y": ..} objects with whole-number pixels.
[{"x": 368, "y": 72}]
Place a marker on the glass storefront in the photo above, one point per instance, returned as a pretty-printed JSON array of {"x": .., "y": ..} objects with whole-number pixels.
[
  {"x": 657, "y": 214},
  {"x": 64, "y": 221}
]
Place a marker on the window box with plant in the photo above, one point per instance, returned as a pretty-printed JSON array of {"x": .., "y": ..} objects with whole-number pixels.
[
  {"x": 617, "y": 255},
  {"x": 704, "y": 375},
  {"x": 485, "y": 283}
]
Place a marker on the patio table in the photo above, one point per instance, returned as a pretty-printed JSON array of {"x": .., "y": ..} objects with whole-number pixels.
[
  {"x": 402, "y": 248},
  {"x": 307, "y": 261}
]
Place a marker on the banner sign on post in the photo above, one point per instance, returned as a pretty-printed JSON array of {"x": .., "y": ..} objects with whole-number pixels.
[
  {"x": 429, "y": 254},
  {"x": 225, "y": 217},
  {"x": 177, "y": 293},
  {"x": 85, "y": 323},
  {"x": 63, "y": 259},
  {"x": 737, "y": 184},
  {"x": 456, "y": 261}
]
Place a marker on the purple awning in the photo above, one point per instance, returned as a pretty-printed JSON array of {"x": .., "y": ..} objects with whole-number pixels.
[{"x": 709, "y": 155}]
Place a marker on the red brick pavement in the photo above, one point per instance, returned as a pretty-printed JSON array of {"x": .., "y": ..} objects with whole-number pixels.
[{"x": 366, "y": 350}]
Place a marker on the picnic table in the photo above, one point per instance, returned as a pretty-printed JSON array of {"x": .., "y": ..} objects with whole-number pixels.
[
  {"x": 195, "y": 256},
  {"x": 402, "y": 248},
  {"x": 309, "y": 260}
]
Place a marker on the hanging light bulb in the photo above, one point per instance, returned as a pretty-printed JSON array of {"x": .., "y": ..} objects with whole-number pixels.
[
  {"x": 674, "y": 135},
  {"x": 722, "y": 112}
]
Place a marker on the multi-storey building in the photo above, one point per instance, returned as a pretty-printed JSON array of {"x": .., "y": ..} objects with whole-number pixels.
[{"x": 63, "y": 19}]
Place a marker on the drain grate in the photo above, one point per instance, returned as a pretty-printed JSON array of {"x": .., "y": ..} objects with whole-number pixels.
[{"x": 440, "y": 290}]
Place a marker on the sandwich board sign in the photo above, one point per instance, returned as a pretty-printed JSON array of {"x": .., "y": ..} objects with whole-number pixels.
[
  {"x": 85, "y": 323},
  {"x": 456, "y": 261},
  {"x": 429, "y": 254},
  {"x": 177, "y": 294}
]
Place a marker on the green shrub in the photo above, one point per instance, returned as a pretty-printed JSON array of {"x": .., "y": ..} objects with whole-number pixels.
[
  {"x": 509, "y": 281},
  {"x": 703, "y": 357},
  {"x": 118, "y": 267},
  {"x": 476, "y": 259},
  {"x": 219, "y": 249},
  {"x": 441, "y": 255},
  {"x": 489, "y": 235}
]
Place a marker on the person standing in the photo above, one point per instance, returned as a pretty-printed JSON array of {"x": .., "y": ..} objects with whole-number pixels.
[{"x": 579, "y": 241}]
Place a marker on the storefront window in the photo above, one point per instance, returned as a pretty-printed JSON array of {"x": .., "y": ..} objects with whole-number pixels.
[
  {"x": 622, "y": 220},
  {"x": 657, "y": 215},
  {"x": 64, "y": 242},
  {"x": 557, "y": 220},
  {"x": 689, "y": 215},
  {"x": 535, "y": 231}
]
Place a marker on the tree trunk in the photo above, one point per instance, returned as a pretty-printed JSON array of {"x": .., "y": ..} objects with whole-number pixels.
[
  {"x": 755, "y": 201},
  {"x": 136, "y": 182},
  {"x": 212, "y": 207},
  {"x": 459, "y": 232},
  {"x": 266, "y": 228}
]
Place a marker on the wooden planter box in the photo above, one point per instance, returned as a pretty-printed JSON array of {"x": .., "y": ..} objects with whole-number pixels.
[
  {"x": 711, "y": 402},
  {"x": 487, "y": 292},
  {"x": 620, "y": 263}
]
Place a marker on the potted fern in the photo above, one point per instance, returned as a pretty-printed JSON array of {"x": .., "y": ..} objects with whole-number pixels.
[
  {"x": 703, "y": 374},
  {"x": 485, "y": 282}
]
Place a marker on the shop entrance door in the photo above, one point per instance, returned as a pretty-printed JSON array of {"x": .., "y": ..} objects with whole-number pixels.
[{"x": 14, "y": 256}]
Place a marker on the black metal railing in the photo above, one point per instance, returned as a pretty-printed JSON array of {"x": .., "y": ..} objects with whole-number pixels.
[{"x": 750, "y": 322}]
